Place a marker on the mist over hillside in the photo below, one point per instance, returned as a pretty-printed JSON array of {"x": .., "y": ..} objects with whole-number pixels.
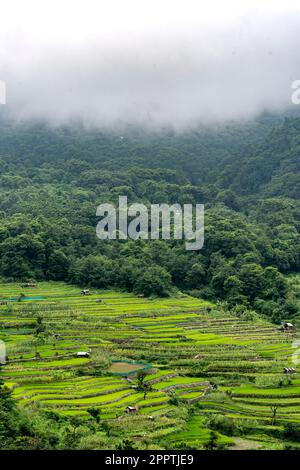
[
  {"x": 156, "y": 65},
  {"x": 246, "y": 174}
]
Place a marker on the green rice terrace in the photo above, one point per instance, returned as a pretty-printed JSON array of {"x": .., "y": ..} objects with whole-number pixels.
[{"x": 161, "y": 372}]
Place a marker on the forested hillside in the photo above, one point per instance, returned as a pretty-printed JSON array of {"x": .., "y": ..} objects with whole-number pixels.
[{"x": 247, "y": 175}]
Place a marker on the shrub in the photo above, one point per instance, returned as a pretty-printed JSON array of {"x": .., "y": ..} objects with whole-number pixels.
[{"x": 291, "y": 431}]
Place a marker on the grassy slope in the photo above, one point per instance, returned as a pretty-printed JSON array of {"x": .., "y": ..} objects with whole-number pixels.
[{"x": 187, "y": 345}]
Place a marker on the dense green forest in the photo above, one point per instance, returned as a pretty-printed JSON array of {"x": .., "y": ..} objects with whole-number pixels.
[
  {"x": 52, "y": 180},
  {"x": 246, "y": 174}
]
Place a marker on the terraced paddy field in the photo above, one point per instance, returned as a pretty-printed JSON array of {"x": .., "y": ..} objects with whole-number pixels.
[{"x": 205, "y": 368}]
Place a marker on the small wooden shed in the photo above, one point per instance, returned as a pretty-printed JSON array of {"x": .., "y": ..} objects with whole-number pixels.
[
  {"x": 131, "y": 409},
  {"x": 288, "y": 326},
  {"x": 85, "y": 292},
  {"x": 83, "y": 354}
]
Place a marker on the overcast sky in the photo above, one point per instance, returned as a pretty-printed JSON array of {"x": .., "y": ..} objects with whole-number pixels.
[{"x": 154, "y": 61}]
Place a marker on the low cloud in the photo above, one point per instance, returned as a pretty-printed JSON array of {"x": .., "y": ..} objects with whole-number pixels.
[{"x": 180, "y": 73}]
